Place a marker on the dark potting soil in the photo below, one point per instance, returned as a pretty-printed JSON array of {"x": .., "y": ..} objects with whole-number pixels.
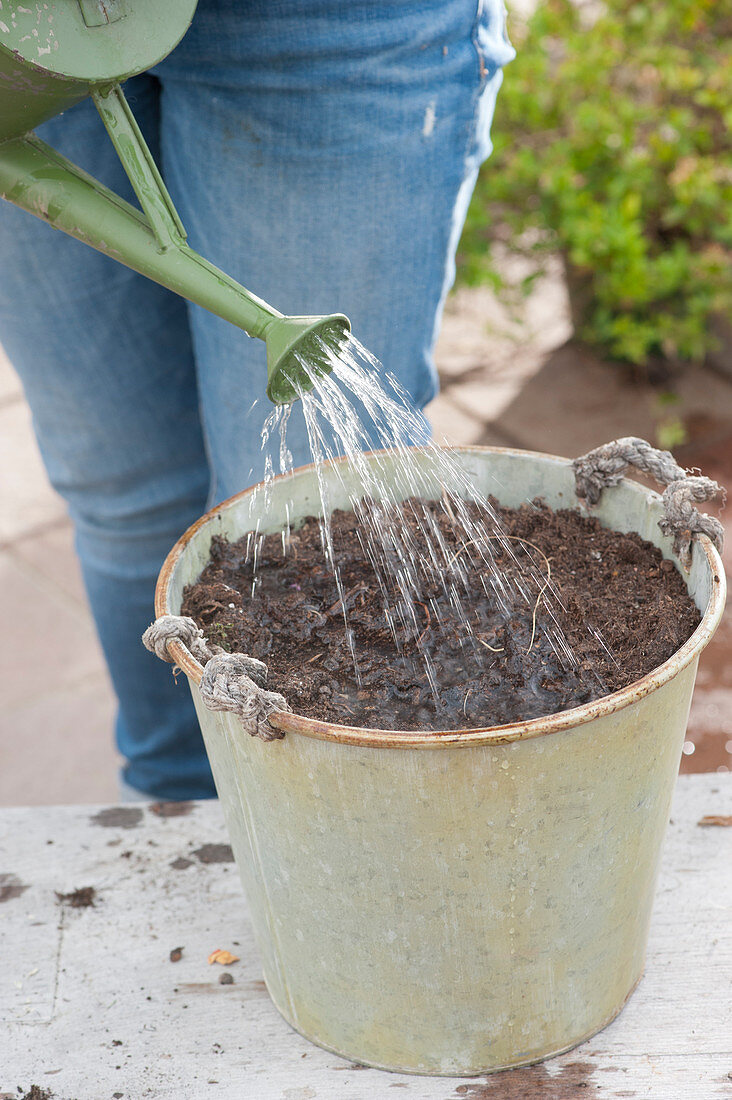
[{"x": 621, "y": 609}]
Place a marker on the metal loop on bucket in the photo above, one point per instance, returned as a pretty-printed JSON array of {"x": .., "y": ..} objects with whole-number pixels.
[
  {"x": 231, "y": 681},
  {"x": 606, "y": 465}
]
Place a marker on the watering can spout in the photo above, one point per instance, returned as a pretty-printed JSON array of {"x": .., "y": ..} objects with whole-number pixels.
[
  {"x": 150, "y": 240},
  {"x": 299, "y": 351}
]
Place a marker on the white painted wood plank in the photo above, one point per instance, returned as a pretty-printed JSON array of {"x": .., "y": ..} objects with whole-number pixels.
[{"x": 108, "y": 1013}]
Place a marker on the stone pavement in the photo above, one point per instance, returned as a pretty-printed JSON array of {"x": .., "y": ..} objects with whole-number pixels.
[
  {"x": 56, "y": 704},
  {"x": 506, "y": 381}
]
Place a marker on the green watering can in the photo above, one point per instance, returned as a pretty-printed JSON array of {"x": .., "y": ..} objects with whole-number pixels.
[{"x": 52, "y": 55}]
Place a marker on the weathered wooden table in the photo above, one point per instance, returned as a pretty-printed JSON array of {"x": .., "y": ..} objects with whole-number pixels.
[{"x": 92, "y": 1007}]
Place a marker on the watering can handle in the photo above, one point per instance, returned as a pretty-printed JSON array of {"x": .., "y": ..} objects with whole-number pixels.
[
  {"x": 140, "y": 166},
  {"x": 605, "y": 466}
]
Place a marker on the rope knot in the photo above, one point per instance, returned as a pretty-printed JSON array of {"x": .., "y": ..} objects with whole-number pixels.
[
  {"x": 228, "y": 684},
  {"x": 230, "y": 681},
  {"x": 683, "y": 520},
  {"x": 606, "y": 465},
  {"x": 176, "y": 628}
]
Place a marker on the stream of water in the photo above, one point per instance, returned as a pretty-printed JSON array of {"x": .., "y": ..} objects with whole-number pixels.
[{"x": 358, "y": 407}]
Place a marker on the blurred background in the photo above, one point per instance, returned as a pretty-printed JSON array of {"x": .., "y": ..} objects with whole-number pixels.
[{"x": 593, "y": 300}]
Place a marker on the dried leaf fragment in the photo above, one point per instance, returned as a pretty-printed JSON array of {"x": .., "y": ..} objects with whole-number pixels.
[
  {"x": 715, "y": 819},
  {"x": 225, "y": 958}
]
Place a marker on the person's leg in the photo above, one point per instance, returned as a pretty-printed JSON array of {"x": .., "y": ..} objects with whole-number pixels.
[
  {"x": 106, "y": 362},
  {"x": 324, "y": 154}
]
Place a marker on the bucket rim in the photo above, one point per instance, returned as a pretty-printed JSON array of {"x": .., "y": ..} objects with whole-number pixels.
[{"x": 372, "y": 737}]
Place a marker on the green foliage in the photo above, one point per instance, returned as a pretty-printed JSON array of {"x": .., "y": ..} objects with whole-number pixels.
[
  {"x": 670, "y": 428},
  {"x": 613, "y": 146}
]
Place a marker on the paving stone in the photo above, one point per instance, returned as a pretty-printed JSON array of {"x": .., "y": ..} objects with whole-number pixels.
[
  {"x": 51, "y": 554},
  {"x": 474, "y": 333},
  {"x": 57, "y": 710},
  {"x": 452, "y": 425},
  {"x": 58, "y": 749},
  {"x": 487, "y": 394},
  {"x": 575, "y": 402},
  {"x": 478, "y": 331},
  {"x": 27, "y": 501},
  {"x": 710, "y": 718},
  {"x": 709, "y": 732},
  {"x": 48, "y": 642},
  {"x": 10, "y": 388},
  {"x": 486, "y": 354}
]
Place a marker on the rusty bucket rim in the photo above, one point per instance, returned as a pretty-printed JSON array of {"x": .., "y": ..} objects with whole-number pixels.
[{"x": 373, "y": 737}]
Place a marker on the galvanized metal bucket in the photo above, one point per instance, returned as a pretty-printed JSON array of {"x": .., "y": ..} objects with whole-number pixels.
[{"x": 454, "y": 903}]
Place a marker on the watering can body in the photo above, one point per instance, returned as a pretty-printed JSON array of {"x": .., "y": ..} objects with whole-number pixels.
[{"x": 53, "y": 55}]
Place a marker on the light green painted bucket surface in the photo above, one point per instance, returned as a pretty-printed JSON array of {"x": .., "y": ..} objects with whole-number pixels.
[{"x": 455, "y": 904}]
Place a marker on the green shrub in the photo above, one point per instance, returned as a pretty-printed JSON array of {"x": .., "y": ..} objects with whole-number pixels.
[{"x": 613, "y": 146}]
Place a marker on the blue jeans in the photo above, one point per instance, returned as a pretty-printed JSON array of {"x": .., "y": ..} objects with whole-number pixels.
[{"x": 321, "y": 152}]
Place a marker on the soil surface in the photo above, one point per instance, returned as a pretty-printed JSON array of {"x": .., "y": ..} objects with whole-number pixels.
[{"x": 619, "y": 607}]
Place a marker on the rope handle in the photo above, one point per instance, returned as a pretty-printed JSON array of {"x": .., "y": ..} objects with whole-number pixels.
[
  {"x": 605, "y": 466},
  {"x": 230, "y": 681}
]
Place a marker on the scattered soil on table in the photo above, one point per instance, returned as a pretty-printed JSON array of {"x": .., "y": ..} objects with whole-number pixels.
[
  {"x": 621, "y": 608},
  {"x": 81, "y": 898},
  {"x": 35, "y": 1092},
  {"x": 118, "y": 817},
  {"x": 181, "y": 863},
  {"x": 214, "y": 853},
  {"x": 10, "y": 887},
  {"x": 171, "y": 809}
]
